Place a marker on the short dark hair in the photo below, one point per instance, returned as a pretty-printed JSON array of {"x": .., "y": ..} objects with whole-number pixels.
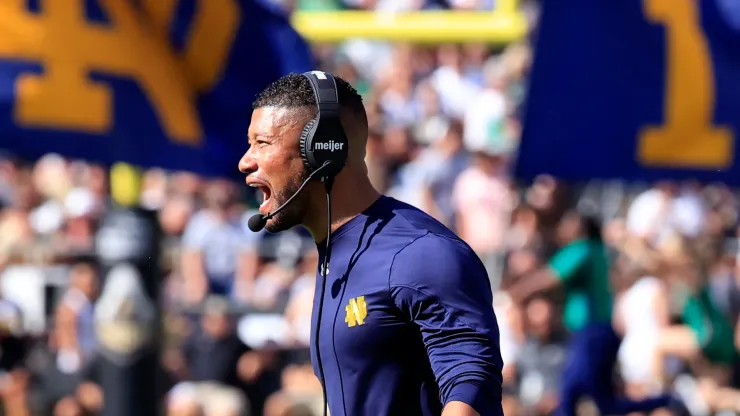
[{"x": 294, "y": 90}]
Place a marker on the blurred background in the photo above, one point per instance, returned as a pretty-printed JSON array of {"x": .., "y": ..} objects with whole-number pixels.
[{"x": 445, "y": 84}]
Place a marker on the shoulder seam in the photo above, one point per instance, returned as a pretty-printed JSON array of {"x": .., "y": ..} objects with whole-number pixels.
[
  {"x": 451, "y": 238},
  {"x": 407, "y": 221},
  {"x": 393, "y": 261},
  {"x": 410, "y": 222}
]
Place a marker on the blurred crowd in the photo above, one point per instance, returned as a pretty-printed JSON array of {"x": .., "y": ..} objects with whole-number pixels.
[
  {"x": 444, "y": 126},
  {"x": 673, "y": 252}
]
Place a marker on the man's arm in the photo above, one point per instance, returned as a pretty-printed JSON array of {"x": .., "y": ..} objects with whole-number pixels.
[
  {"x": 69, "y": 355},
  {"x": 441, "y": 286},
  {"x": 191, "y": 260},
  {"x": 527, "y": 286},
  {"x": 562, "y": 267},
  {"x": 194, "y": 276},
  {"x": 248, "y": 262}
]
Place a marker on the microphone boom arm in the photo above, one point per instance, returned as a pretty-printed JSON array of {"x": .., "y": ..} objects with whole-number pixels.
[{"x": 258, "y": 221}]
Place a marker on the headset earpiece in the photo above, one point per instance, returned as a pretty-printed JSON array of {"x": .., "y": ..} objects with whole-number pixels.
[
  {"x": 323, "y": 139},
  {"x": 306, "y": 135}
]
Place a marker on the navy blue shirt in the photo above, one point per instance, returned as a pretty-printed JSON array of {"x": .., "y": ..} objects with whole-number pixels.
[{"x": 408, "y": 323}]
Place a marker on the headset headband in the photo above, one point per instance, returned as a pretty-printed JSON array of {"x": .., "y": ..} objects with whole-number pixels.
[{"x": 325, "y": 91}]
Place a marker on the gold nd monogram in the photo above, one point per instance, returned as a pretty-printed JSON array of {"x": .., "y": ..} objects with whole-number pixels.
[
  {"x": 356, "y": 311},
  {"x": 69, "y": 48}
]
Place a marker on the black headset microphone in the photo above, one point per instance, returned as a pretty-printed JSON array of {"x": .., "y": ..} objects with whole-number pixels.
[
  {"x": 258, "y": 221},
  {"x": 324, "y": 148}
]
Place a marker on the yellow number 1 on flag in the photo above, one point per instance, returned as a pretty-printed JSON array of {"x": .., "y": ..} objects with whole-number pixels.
[{"x": 688, "y": 138}]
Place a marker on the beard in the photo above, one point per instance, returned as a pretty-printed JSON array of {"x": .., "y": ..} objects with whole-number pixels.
[{"x": 293, "y": 214}]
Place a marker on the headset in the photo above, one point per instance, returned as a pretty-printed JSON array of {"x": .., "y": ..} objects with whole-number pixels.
[{"x": 324, "y": 148}]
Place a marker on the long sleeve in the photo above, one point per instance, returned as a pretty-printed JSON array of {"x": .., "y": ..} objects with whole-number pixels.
[{"x": 439, "y": 284}]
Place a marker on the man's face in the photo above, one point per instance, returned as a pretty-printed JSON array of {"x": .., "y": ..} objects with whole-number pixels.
[{"x": 274, "y": 166}]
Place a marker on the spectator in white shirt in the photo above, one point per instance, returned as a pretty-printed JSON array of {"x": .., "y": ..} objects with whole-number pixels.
[
  {"x": 663, "y": 210},
  {"x": 484, "y": 116},
  {"x": 456, "y": 91},
  {"x": 218, "y": 255}
]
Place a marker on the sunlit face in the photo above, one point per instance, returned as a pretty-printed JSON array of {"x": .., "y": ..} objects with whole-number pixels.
[
  {"x": 86, "y": 280},
  {"x": 217, "y": 325},
  {"x": 274, "y": 166},
  {"x": 569, "y": 228}
]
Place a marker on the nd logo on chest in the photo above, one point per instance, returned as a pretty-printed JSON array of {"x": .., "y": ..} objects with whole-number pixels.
[{"x": 356, "y": 311}]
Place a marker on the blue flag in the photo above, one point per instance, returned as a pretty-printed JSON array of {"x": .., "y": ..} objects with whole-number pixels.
[
  {"x": 635, "y": 89},
  {"x": 166, "y": 83}
]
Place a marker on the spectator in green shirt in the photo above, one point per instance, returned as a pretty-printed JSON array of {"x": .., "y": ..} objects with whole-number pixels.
[
  {"x": 581, "y": 268},
  {"x": 705, "y": 338}
]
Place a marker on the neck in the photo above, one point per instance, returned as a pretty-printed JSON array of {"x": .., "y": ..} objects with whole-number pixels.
[{"x": 349, "y": 198}]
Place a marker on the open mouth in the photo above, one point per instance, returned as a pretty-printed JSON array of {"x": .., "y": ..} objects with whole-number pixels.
[{"x": 265, "y": 194}]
